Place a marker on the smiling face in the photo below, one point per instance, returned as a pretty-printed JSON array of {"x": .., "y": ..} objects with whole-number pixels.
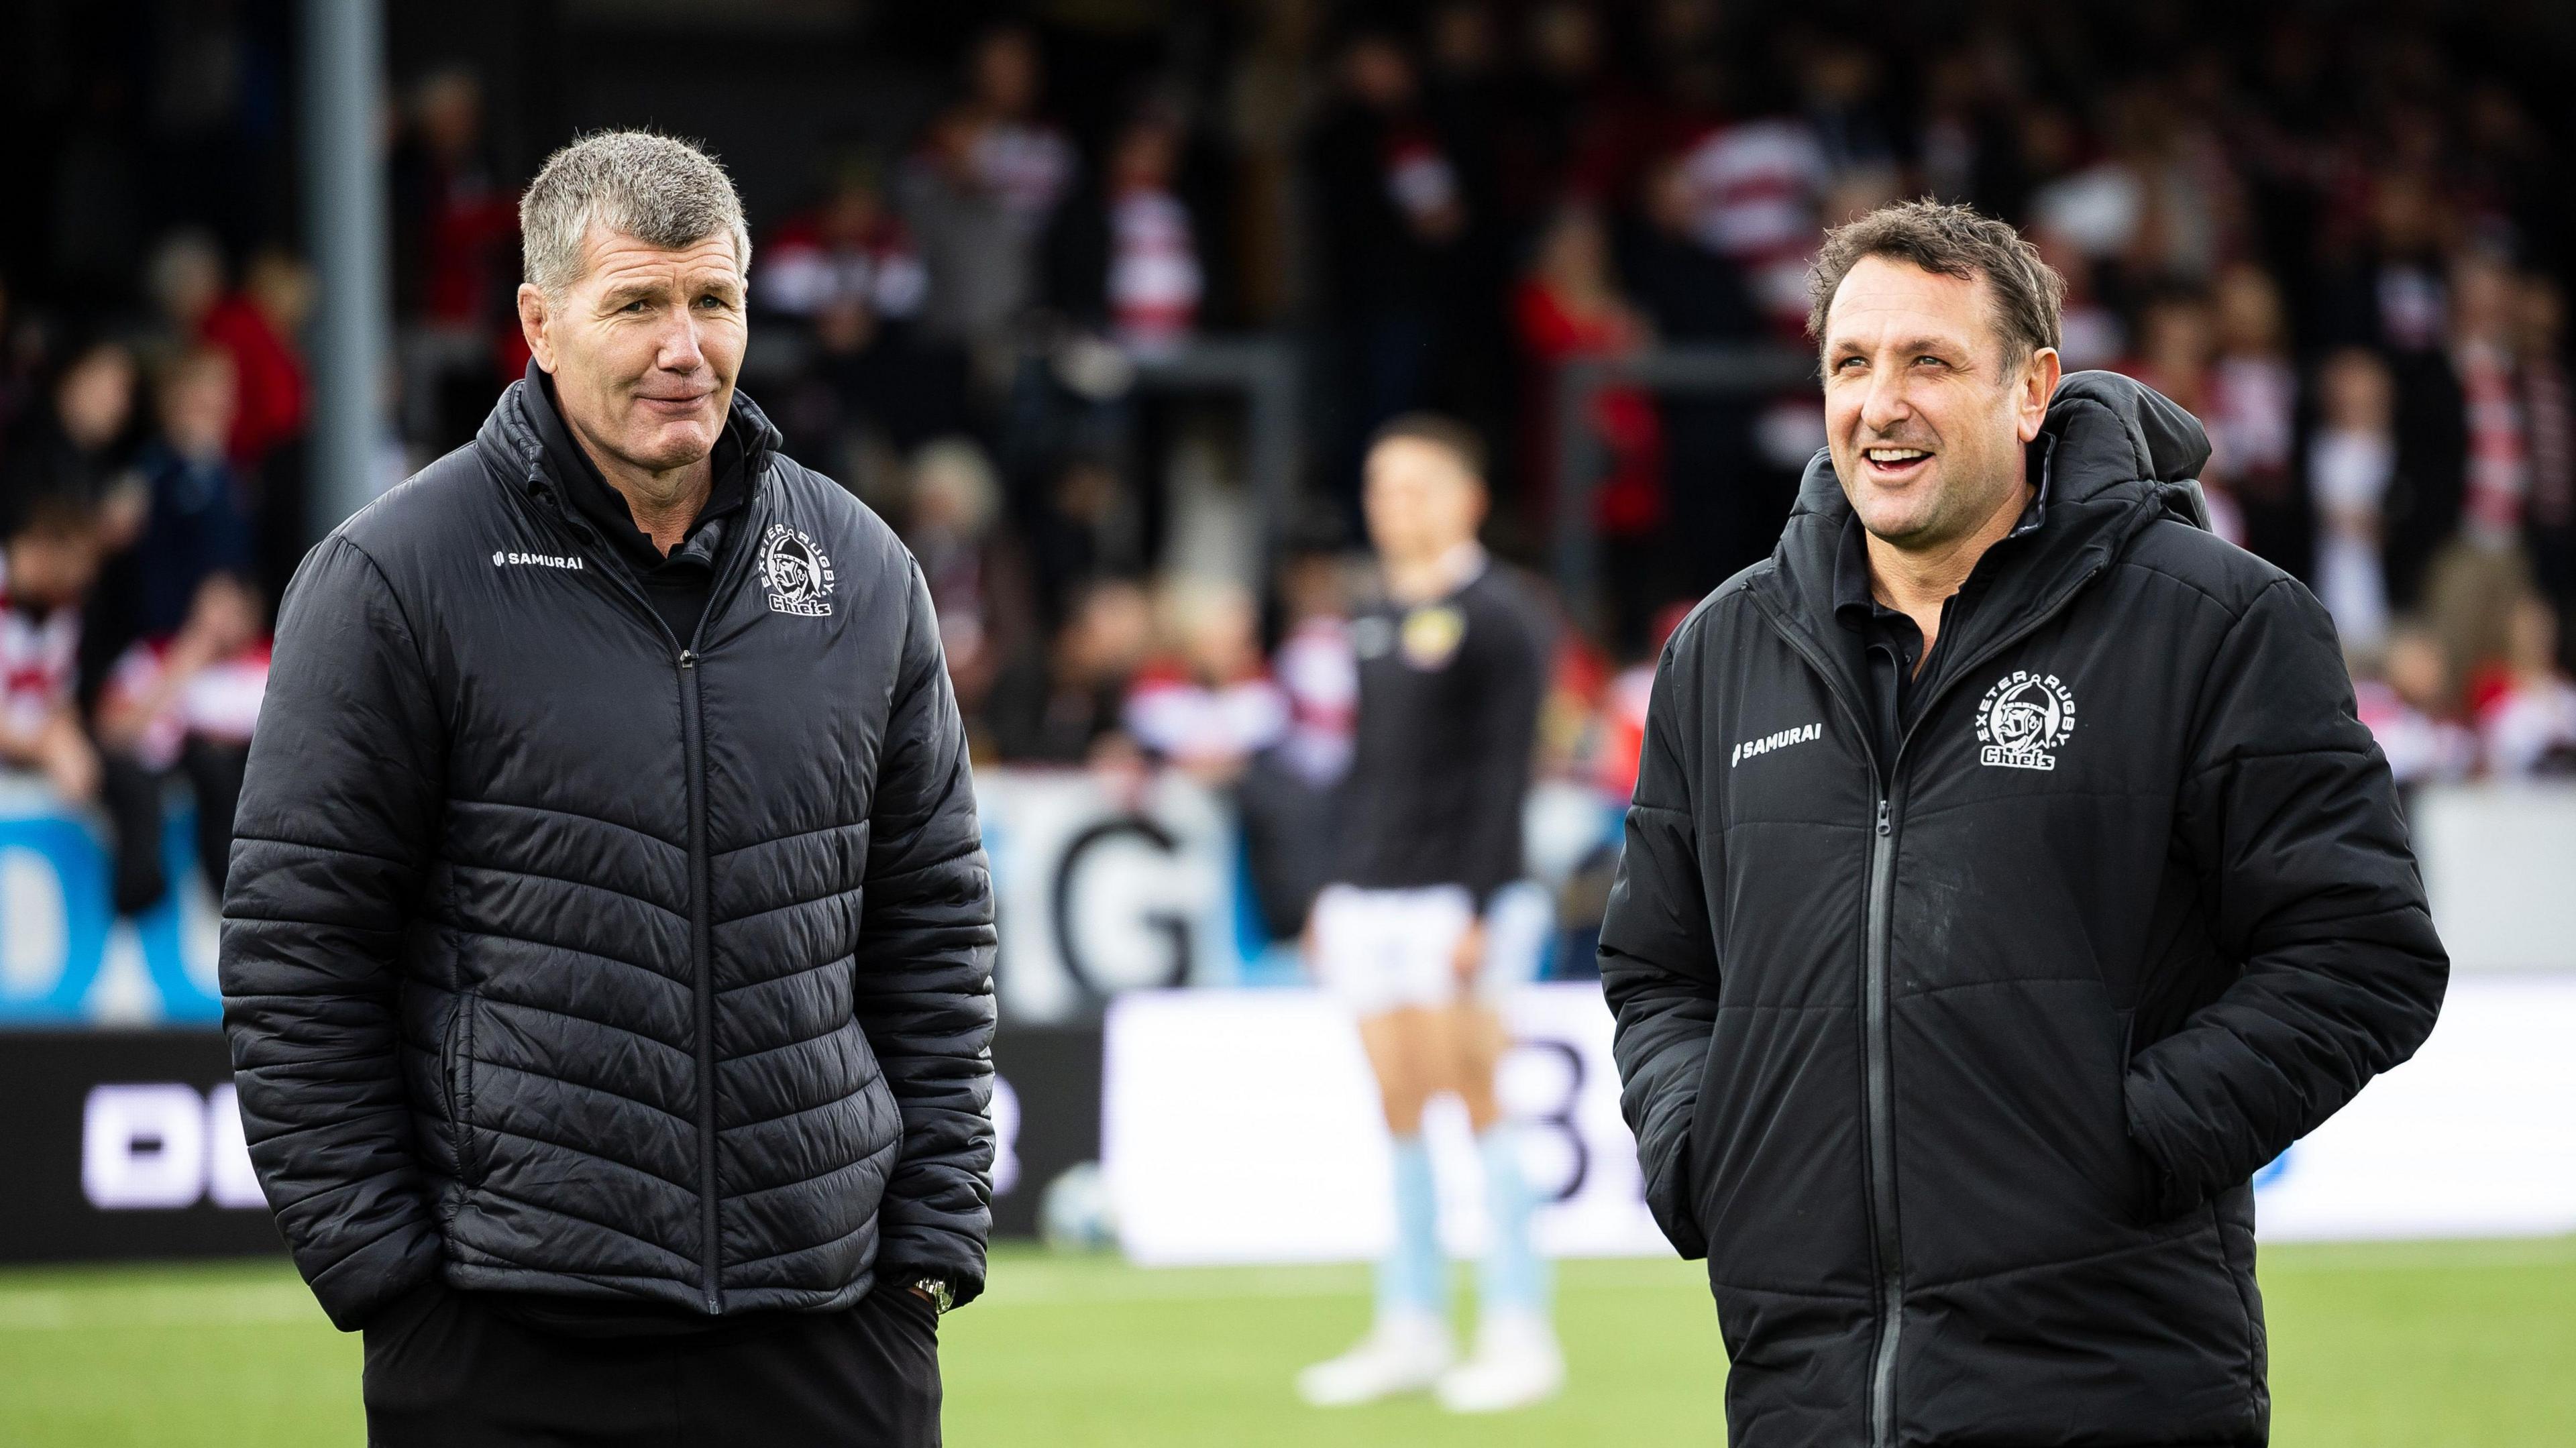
[
  {"x": 1925, "y": 413},
  {"x": 643, "y": 347}
]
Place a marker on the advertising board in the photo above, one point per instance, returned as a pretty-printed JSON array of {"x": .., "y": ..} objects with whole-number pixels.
[{"x": 1242, "y": 1126}]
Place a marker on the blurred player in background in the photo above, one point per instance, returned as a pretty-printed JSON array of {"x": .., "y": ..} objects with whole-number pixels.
[{"x": 1428, "y": 919}]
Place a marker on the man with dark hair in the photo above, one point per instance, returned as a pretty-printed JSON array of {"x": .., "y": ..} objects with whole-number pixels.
[
  {"x": 2008, "y": 880},
  {"x": 1426, "y": 918},
  {"x": 608, "y": 945}
]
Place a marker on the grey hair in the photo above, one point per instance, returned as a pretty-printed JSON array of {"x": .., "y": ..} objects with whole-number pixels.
[{"x": 660, "y": 190}]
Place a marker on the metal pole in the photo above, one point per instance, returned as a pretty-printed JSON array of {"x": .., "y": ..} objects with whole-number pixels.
[{"x": 345, "y": 221}]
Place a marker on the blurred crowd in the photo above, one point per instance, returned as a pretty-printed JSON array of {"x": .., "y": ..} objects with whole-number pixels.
[{"x": 2340, "y": 239}]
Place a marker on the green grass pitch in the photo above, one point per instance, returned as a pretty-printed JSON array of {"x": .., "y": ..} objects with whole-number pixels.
[{"x": 2372, "y": 1347}]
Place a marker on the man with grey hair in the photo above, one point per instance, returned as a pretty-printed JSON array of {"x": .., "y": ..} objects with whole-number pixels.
[
  {"x": 607, "y": 954},
  {"x": 2008, "y": 881}
]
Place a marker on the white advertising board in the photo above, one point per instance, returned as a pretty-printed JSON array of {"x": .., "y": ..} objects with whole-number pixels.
[
  {"x": 2475, "y": 1137},
  {"x": 2498, "y": 859},
  {"x": 1103, "y": 887},
  {"x": 1242, "y": 1126}
]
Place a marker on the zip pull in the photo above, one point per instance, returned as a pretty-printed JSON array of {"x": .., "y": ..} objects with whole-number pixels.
[
  {"x": 689, "y": 660},
  {"x": 1883, "y": 827}
]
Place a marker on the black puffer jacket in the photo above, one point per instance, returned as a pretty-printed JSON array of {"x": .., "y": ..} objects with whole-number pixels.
[
  {"x": 1959, "y": 1085},
  {"x": 581, "y": 960}
]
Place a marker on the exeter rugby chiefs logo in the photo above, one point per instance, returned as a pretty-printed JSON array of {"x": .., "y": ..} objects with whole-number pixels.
[
  {"x": 2023, "y": 719},
  {"x": 798, "y": 575}
]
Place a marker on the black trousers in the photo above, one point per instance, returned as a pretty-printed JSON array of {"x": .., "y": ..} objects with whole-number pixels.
[
  {"x": 132, "y": 797},
  {"x": 445, "y": 1369}
]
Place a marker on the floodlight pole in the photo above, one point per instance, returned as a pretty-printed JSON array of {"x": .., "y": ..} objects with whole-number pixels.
[{"x": 344, "y": 189}]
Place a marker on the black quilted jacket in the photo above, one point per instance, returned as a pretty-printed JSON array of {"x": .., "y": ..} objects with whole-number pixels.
[
  {"x": 571, "y": 958},
  {"x": 1955, "y": 1066}
]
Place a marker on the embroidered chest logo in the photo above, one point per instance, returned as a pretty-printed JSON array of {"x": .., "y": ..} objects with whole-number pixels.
[
  {"x": 1779, "y": 739},
  {"x": 2023, "y": 719},
  {"x": 796, "y": 572}
]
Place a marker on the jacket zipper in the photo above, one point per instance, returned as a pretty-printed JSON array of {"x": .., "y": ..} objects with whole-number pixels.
[
  {"x": 702, "y": 897},
  {"x": 1879, "y": 1071},
  {"x": 701, "y": 949},
  {"x": 1878, "y": 1056},
  {"x": 702, "y": 971}
]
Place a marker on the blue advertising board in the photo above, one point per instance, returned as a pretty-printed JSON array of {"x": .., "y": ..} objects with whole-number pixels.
[{"x": 66, "y": 959}]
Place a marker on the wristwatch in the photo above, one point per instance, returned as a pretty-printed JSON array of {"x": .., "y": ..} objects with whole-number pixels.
[{"x": 936, "y": 1289}]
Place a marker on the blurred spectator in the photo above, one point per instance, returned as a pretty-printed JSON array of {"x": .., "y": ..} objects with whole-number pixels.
[
  {"x": 1692, "y": 290},
  {"x": 2549, "y": 412},
  {"x": 1076, "y": 532},
  {"x": 1206, "y": 703},
  {"x": 2090, "y": 333},
  {"x": 454, "y": 219},
  {"x": 1622, "y": 740},
  {"x": 1389, "y": 210},
  {"x": 1123, "y": 258},
  {"x": 185, "y": 277},
  {"x": 2160, "y": 201},
  {"x": 194, "y": 527},
  {"x": 1753, "y": 186},
  {"x": 1965, "y": 150},
  {"x": 2251, "y": 411},
  {"x": 1290, "y": 795},
  {"x": 2388, "y": 293},
  {"x": 2480, "y": 572},
  {"x": 1316, "y": 668},
  {"x": 1540, "y": 126},
  {"x": 181, "y": 703},
  {"x": 973, "y": 250},
  {"x": 1840, "y": 94},
  {"x": 979, "y": 193},
  {"x": 2484, "y": 359},
  {"x": 1567, "y": 307},
  {"x": 259, "y": 327},
  {"x": 48, "y": 558},
  {"x": 2177, "y": 344},
  {"x": 954, "y": 504},
  {"x": 2482, "y": 354},
  {"x": 2351, "y": 460},
  {"x": 78, "y": 447},
  {"x": 2530, "y": 728},
  {"x": 1063, "y": 706},
  {"x": 1018, "y": 155},
  {"x": 1722, "y": 518},
  {"x": 868, "y": 391},
  {"x": 2409, "y": 709},
  {"x": 848, "y": 252}
]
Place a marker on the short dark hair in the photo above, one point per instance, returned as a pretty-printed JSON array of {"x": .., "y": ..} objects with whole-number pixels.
[
  {"x": 1952, "y": 241},
  {"x": 52, "y": 515},
  {"x": 1446, "y": 433}
]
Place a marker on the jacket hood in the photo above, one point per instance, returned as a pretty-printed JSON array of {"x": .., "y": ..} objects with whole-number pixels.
[{"x": 509, "y": 441}]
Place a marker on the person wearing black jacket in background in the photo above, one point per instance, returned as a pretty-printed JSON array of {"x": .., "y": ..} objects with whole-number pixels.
[
  {"x": 607, "y": 953},
  {"x": 2008, "y": 880},
  {"x": 1426, "y": 916}
]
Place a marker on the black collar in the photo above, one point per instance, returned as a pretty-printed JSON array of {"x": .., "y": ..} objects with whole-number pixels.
[{"x": 606, "y": 508}]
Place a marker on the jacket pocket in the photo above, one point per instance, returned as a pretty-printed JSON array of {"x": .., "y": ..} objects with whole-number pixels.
[
  {"x": 456, "y": 1075},
  {"x": 1672, "y": 1183}
]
